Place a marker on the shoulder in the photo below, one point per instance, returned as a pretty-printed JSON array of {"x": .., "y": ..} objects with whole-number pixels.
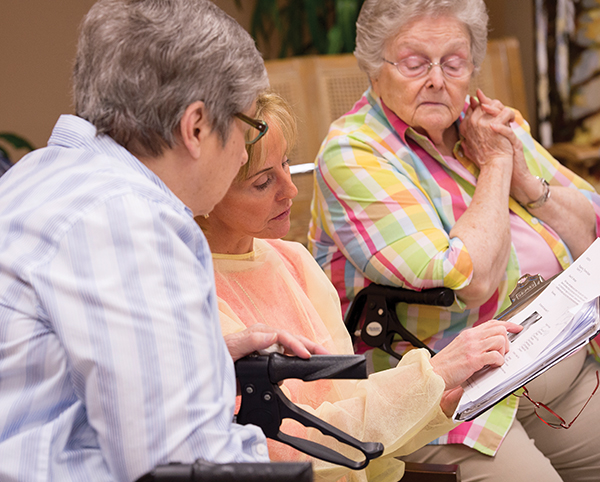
[
  {"x": 292, "y": 252},
  {"x": 55, "y": 194},
  {"x": 363, "y": 122},
  {"x": 362, "y": 137}
]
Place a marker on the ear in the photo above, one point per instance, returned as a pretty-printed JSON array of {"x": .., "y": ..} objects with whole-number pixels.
[{"x": 194, "y": 127}]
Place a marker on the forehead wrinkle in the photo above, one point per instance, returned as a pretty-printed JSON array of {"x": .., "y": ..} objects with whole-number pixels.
[{"x": 438, "y": 33}]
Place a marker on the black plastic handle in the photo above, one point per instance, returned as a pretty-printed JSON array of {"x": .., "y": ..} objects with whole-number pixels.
[
  {"x": 431, "y": 297},
  {"x": 393, "y": 295},
  {"x": 317, "y": 367},
  {"x": 201, "y": 471},
  {"x": 265, "y": 405},
  {"x": 370, "y": 450}
]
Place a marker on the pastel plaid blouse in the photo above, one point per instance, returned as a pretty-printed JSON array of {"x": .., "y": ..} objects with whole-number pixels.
[{"x": 385, "y": 201}]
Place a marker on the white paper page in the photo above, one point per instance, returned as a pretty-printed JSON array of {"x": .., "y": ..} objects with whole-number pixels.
[
  {"x": 524, "y": 351},
  {"x": 577, "y": 335},
  {"x": 553, "y": 310}
]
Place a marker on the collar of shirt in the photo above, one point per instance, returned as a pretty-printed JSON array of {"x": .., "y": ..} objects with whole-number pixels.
[
  {"x": 406, "y": 133},
  {"x": 77, "y": 133}
]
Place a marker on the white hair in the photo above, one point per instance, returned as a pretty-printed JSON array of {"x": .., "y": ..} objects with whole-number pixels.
[
  {"x": 380, "y": 21},
  {"x": 141, "y": 63}
]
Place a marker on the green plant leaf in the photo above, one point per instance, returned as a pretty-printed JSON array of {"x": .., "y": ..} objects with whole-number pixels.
[
  {"x": 334, "y": 40},
  {"x": 307, "y": 26},
  {"x": 346, "y": 13},
  {"x": 265, "y": 19},
  {"x": 316, "y": 13},
  {"x": 16, "y": 141}
]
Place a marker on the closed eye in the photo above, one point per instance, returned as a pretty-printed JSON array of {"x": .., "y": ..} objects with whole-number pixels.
[{"x": 264, "y": 185}]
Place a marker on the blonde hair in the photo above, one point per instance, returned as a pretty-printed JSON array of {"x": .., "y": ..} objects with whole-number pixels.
[{"x": 276, "y": 112}]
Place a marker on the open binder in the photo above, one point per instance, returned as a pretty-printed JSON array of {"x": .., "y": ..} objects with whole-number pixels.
[{"x": 560, "y": 316}]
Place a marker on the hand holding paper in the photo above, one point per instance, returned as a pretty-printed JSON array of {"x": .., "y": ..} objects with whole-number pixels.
[
  {"x": 562, "y": 319},
  {"x": 472, "y": 350}
]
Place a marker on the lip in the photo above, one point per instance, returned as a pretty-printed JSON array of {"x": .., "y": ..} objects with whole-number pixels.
[{"x": 285, "y": 214}]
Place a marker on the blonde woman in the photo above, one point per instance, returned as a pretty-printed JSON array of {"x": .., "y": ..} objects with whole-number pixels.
[{"x": 263, "y": 280}]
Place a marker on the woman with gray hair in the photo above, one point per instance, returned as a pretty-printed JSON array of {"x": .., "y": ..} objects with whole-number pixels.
[
  {"x": 420, "y": 186},
  {"x": 111, "y": 355}
]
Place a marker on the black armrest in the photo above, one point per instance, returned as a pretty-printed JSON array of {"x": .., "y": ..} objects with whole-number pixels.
[
  {"x": 201, "y": 471},
  {"x": 265, "y": 405},
  {"x": 378, "y": 303}
]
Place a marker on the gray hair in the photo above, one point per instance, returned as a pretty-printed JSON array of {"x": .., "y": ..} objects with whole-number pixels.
[
  {"x": 380, "y": 21},
  {"x": 141, "y": 63}
]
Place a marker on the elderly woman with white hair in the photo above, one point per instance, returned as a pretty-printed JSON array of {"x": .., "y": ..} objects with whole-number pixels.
[{"x": 420, "y": 186}]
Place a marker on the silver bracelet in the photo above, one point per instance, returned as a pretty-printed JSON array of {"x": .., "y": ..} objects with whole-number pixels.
[{"x": 543, "y": 198}]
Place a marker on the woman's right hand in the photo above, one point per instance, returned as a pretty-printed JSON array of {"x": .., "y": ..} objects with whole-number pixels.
[{"x": 473, "y": 349}]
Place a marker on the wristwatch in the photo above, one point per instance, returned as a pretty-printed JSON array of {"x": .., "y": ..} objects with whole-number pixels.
[{"x": 543, "y": 198}]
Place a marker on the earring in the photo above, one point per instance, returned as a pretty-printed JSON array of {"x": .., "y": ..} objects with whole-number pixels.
[{"x": 205, "y": 216}]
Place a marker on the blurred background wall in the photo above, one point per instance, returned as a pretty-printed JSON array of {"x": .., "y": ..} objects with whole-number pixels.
[{"x": 38, "y": 41}]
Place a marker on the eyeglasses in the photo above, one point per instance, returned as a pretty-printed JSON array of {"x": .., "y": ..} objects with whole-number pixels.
[
  {"x": 549, "y": 417},
  {"x": 259, "y": 125},
  {"x": 414, "y": 66}
]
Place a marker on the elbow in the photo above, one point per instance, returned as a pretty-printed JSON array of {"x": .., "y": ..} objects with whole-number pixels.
[{"x": 477, "y": 293}]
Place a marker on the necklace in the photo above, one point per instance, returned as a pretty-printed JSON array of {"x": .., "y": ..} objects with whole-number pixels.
[{"x": 251, "y": 301}]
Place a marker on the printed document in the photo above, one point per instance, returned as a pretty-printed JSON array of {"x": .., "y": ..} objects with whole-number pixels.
[{"x": 558, "y": 322}]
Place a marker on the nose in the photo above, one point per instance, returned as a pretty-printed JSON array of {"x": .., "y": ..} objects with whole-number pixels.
[
  {"x": 435, "y": 76},
  {"x": 288, "y": 188}
]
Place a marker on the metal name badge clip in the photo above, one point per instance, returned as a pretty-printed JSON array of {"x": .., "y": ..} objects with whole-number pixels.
[{"x": 526, "y": 286}]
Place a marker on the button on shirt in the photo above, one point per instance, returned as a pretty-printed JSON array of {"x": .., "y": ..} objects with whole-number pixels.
[{"x": 111, "y": 354}]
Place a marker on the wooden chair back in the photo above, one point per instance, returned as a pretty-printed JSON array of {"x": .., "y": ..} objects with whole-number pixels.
[{"x": 501, "y": 74}]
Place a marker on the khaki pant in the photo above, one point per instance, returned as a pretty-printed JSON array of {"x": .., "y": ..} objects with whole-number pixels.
[{"x": 532, "y": 451}]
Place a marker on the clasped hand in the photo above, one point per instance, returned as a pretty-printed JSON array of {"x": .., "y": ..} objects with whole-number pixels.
[{"x": 488, "y": 138}]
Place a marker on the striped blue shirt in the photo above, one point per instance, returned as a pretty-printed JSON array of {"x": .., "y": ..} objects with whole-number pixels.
[{"x": 111, "y": 354}]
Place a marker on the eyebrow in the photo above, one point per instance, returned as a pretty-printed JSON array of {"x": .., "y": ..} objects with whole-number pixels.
[{"x": 259, "y": 172}]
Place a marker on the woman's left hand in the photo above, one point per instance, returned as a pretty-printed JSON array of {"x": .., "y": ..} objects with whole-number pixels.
[{"x": 524, "y": 186}]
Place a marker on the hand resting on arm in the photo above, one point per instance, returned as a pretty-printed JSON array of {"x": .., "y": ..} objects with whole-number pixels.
[{"x": 259, "y": 337}]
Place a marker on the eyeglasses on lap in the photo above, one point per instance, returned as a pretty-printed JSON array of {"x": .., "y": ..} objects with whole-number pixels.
[
  {"x": 551, "y": 418},
  {"x": 259, "y": 125},
  {"x": 414, "y": 66}
]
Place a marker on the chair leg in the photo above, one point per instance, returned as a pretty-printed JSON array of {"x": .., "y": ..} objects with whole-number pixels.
[{"x": 417, "y": 472}]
